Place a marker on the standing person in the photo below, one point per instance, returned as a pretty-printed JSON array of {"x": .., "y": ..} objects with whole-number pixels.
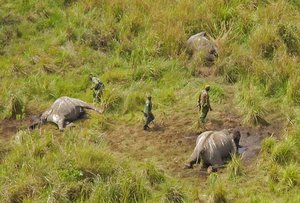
[
  {"x": 148, "y": 112},
  {"x": 204, "y": 104},
  {"x": 98, "y": 88}
]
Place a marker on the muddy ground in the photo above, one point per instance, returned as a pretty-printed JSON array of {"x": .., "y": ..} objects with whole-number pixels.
[{"x": 172, "y": 138}]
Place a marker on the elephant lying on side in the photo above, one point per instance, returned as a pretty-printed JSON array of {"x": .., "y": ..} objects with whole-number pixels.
[
  {"x": 63, "y": 111},
  {"x": 214, "y": 148},
  {"x": 198, "y": 43}
]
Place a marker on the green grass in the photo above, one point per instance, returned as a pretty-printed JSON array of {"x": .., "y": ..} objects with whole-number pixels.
[{"x": 48, "y": 49}]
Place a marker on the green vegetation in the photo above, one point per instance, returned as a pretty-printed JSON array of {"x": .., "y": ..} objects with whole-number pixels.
[
  {"x": 48, "y": 48},
  {"x": 76, "y": 168}
]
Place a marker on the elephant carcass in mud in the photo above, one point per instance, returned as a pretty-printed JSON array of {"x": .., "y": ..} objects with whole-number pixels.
[
  {"x": 63, "y": 111},
  {"x": 199, "y": 44},
  {"x": 214, "y": 148}
]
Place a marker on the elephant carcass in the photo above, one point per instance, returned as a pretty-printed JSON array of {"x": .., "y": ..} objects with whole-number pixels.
[
  {"x": 214, "y": 148},
  {"x": 65, "y": 110},
  {"x": 198, "y": 43}
]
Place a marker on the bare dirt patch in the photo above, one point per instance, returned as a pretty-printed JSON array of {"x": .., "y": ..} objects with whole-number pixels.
[
  {"x": 171, "y": 141},
  {"x": 8, "y": 127}
]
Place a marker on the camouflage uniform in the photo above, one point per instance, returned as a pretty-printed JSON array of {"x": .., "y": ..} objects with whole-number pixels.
[
  {"x": 98, "y": 88},
  {"x": 204, "y": 104},
  {"x": 147, "y": 112}
]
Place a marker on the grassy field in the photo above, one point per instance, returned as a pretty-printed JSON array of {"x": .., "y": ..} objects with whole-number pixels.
[{"x": 48, "y": 48}]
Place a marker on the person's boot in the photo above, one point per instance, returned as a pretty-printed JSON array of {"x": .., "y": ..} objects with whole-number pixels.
[{"x": 146, "y": 127}]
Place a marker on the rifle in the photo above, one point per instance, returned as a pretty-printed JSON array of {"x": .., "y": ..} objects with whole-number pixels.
[
  {"x": 147, "y": 116},
  {"x": 144, "y": 113}
]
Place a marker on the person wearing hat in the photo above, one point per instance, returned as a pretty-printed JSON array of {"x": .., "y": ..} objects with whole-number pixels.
[
  {"x": 204, "y": 104},
  {"x": 148, "y": 112},
  {"x": 98, "y": 88}
]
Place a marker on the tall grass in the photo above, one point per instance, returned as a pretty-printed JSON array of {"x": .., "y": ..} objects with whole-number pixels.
[
  {"x": 48, "y": 48},
  {"x": 251, "y": 102},
  {"x": 74, "y": 168}
]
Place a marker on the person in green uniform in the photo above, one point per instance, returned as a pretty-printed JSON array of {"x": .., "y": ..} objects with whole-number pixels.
[
  {"x": 148, "y": 112},
  {"x": 98, "y": 88},
  {"x": 204, "y": 103}
]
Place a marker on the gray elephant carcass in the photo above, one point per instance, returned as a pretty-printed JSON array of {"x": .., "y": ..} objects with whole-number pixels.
[
  {"x": 199, "y": 44},
  {"x": 214, "y": 147},
  {"x": 65, "y": 110}
]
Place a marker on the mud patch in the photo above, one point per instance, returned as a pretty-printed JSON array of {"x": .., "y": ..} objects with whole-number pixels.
[{"x": 9, "y": 127}]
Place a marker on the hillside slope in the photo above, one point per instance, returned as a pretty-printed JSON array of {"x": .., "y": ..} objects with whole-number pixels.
[{"x": 48, "y": 49}]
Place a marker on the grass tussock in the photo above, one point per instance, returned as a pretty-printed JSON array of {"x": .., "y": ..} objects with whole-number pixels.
[
  {"x": 216, "y": 189},
  {"x": 284, "y": 152},
  {"x": 235, "y": 167}
]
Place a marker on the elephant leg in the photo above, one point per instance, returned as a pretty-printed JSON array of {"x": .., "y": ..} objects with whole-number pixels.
[
  {"x": 70, "y": 124},
  {"x": 203, "y": 115},
  {"x": 61, "y": 124},
  {"x": 195, "y": 159},
  {"x": 216, "y": 162}
]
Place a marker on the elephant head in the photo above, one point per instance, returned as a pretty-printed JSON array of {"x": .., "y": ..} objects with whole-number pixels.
[{"x": 34, "y": 122}]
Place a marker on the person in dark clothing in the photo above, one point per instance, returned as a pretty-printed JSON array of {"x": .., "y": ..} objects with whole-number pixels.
[{"x": 148, "y": 112}]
